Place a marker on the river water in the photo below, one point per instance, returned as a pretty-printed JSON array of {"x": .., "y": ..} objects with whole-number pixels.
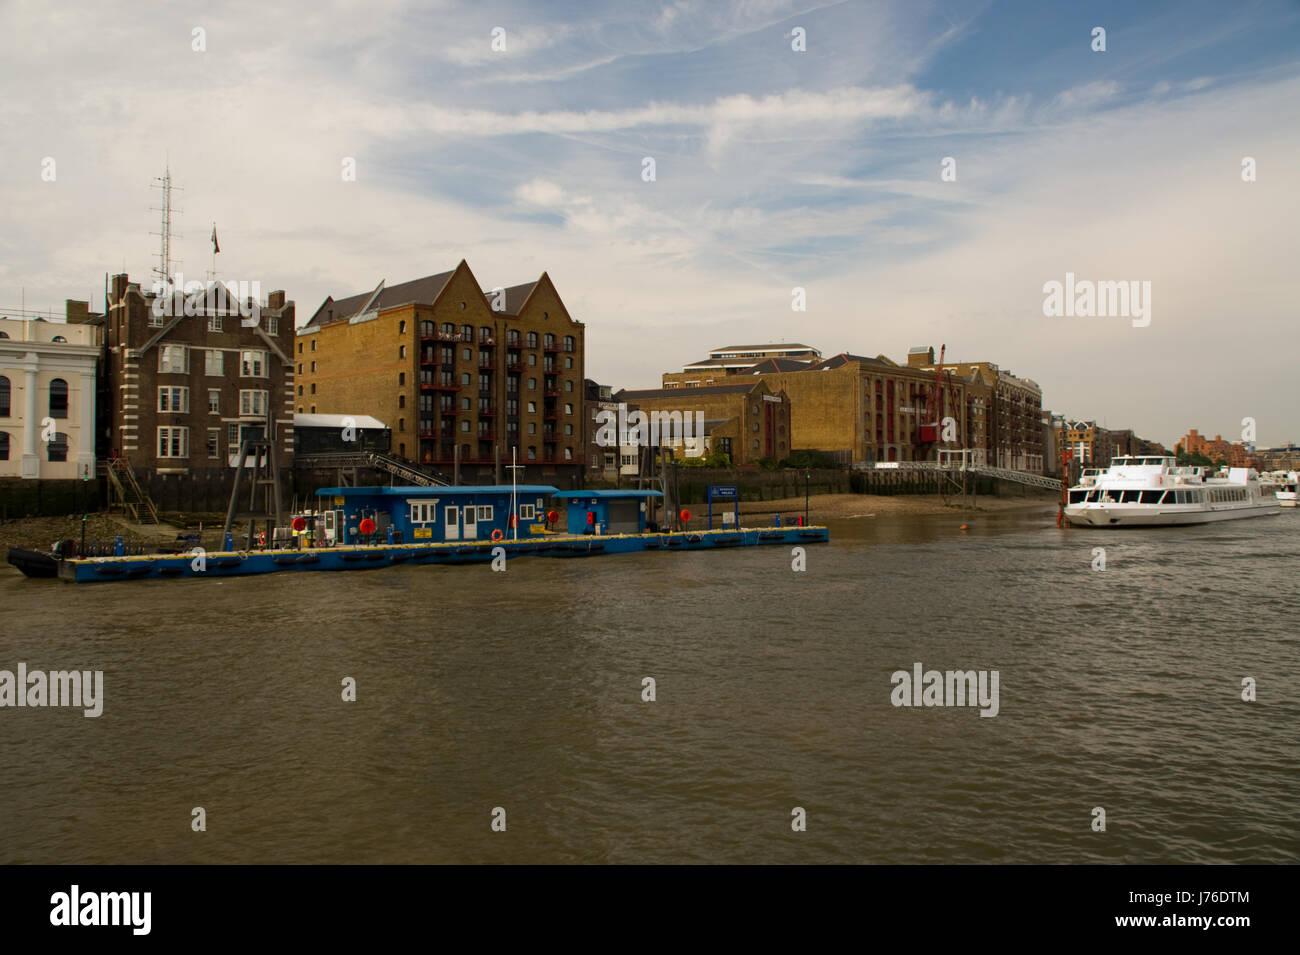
[{"x": 1118, "y": 688}]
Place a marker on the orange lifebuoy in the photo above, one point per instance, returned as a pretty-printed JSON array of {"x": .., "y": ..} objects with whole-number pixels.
[
  {"x": 261, "y": 539},
  {"x": 497, "y": 535}
]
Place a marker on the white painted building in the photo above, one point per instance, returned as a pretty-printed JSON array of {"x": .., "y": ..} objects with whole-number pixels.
[{"x": 47, "y": 399}]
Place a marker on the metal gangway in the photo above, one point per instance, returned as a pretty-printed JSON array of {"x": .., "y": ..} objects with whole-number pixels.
[
  {"x": 957, "y": 462},
  {"x": 373, "y": 459}
]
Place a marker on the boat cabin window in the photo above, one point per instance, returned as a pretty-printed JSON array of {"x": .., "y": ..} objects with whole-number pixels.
[{"x": 1151, "y": 497}]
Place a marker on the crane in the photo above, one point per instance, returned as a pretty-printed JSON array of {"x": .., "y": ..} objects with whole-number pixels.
[{"x": 934, "y": 406}]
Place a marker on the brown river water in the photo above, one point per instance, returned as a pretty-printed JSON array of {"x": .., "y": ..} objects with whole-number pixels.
[{"x": 1118, "y": 688}]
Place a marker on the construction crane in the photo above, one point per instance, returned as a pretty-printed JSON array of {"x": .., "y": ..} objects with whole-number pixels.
[{"x": 934, "y": 405}]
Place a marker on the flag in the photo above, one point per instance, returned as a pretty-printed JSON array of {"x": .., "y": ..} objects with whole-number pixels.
[{"x": 215, "y": 248}]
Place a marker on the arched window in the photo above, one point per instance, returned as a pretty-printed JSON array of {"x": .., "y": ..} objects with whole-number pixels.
[
  {"x": 4, "y": 397},
  {"x": 58, "y": 399},
  {"x": 57, "y": 449},
  {"x": 4, "y": 334},
  {"x": 59, "y": 338}
]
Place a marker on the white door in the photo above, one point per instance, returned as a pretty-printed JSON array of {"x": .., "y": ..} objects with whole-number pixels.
[
  {"x": 471, "y": 526},
  {"x": 453, "y": 523}
]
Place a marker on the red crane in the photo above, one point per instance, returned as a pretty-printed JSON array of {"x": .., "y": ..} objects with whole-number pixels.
[{"x": 934, "y": 404}]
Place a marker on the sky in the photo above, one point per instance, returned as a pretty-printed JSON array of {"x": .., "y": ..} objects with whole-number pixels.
[{"x": 820, "y": 169}]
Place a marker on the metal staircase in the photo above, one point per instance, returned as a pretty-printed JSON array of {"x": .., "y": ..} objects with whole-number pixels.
[{"x": 125, "y": 492}]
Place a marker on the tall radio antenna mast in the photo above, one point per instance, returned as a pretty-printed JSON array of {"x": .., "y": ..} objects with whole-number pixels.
[{"x": 164, "y": 268}]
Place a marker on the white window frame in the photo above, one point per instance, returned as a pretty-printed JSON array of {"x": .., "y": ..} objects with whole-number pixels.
[
  {"x": 167, "y": 435},
  {"x": 253, "y": 364},
  {"x": 483, "y": 512},
  {"x": 423, "y": 512},
  {"x": 272, "y": 324},
  {"x": 214, "y": 363},
  {"x": 253, "y": 402},
  {"x": 166, "y": 356},
  {"x": 214, "y": 322},
  {"x": 171, "y": 395},
  {"x": 527, "y": 512},
  {"x": 214, "y": 407},
  {"x": 214, "y": 440}
]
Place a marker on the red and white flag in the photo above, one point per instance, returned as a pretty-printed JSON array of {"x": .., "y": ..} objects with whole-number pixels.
[{"x": 215, "y": 248}]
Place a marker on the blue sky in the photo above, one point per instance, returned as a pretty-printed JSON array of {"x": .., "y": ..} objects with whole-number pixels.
[{"x": 774, "y": 169}]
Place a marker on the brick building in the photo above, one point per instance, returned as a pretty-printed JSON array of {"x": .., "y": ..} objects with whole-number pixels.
[
  {"x": 1235, "y": 453},
  {"x": 460, "y": 375},
  {"x": 1013, "y": 416},
  {"x": 746, "y": 420},
  {"x": 866, "y": 409},
  {"x": 183, "y": 390}
]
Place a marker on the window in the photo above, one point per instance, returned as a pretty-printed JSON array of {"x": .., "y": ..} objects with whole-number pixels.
[
  {"x": 232, "y": 437},
  {"x": 532, "y": 384},
  {"x": 252, "y": 364},
  {"x": 300, "y": 391},
  {"x": 214, "y": 362},
  {"x": 568, "y": 363},
  {"x": 173, "y": 400},
  {"x": 173, "y": 442},
  {"x": 568, "y": 384},
  {"x": 313, "y": 344},
  {"x": 568, "y": 454},
  {"x": 214, "y": 323},
  {"x": 214, "y": 401},
  {"x": 568, "y": 408},
  {"x": 464, "y": 378},
  {"x": 466, "y": 331},
  {"x": 485, "y": 512},
  {"x": 252, "y": 403},
  {"x": 313, "y": 390},
  {"x": 424, "y": 513},
  {"x": 532, "y": 407},
  {"x": 313, "y": 368},
  {"x": 401, "y": 328},
  {"x": 465, "y": 354},
  {"x": 568, "y": 429},
  {"x": 4, "y": 397},
  {"x": 527, "y": 512},
  {"x": 4, "y": 445},
  {"x": 58, "y": 398},
  {"x": 401, "y": 424},
  {"x": 300, "y": 352},
  {"x": 532, "y": 427},
  {"x": 173, "y": 360},
  {"x": 214, "y": 441},
  {"x": 401, "y": 378},
  {"x": 401, "y": 351},
  {"x": 59, "y": 338},
  {"x": 532, "y": 360},
  {"x": 464, "y": 404},
  {"x": 157, "y": 319},
  {"x": 464, "y": 425},
  {"x": 401, "y": 401},
  {"x": 532, "y": 452},
  {"x": 57, "y": 449},
  {"x": 532, "y": 339}
]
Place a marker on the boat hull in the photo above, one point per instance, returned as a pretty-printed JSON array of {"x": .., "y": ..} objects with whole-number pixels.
[
  {"x": 1146, "y": 515},
  {"x": 371, "y": 557},
  {"x": 33, "y": 563}
]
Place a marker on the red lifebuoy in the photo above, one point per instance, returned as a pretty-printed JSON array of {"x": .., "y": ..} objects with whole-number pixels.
[
  {"x": 367, "y": 526},
  {"x": 686, "y": 516},
  {"x": 300, "y": 523},
  {"x": 261, "y": 539},
  {"x": 497, "y": 535},
  {"x": 552, "y": 516}
]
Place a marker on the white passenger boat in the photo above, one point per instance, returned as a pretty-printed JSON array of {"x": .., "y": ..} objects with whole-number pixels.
[
  {"x": 1140, "y": 490},
  {"x": 1286, "y": 489}
]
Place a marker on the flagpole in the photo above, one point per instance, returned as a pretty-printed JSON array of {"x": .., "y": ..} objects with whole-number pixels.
[{"x": 212, "y": 276}]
